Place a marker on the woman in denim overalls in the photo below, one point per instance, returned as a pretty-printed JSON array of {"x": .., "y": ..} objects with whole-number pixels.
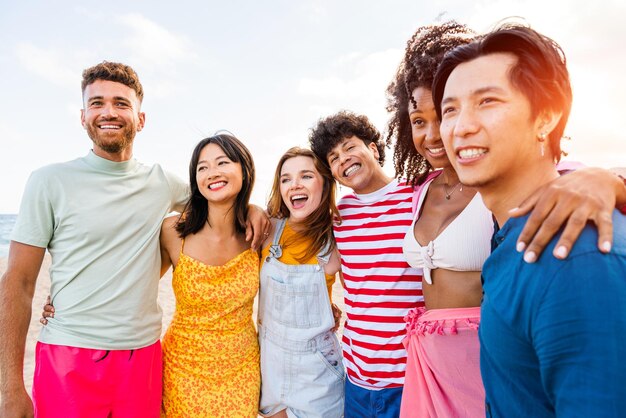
[{"x": 301, "y": 365}]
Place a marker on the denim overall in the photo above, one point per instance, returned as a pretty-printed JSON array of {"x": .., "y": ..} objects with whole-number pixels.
[{"x": 301, "y": 363}]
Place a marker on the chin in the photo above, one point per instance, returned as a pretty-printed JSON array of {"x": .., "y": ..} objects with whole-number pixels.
[
  {"x": 298, "y": 216},
  {"x": 475, "y": 181}
]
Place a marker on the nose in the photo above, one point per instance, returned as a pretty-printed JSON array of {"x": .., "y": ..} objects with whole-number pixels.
[
  {"x": 296, "y": 183},
  {"x": 465, "y": 123},
  {"x": 109, "y": 111},
  {"x": 343, "y": 157},
  {"x": 433, "y": 133},
  {"x": 213, "y": 171}
]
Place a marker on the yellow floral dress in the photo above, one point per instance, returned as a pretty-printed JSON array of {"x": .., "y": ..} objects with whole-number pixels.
[{"x": 210, "y": 351}]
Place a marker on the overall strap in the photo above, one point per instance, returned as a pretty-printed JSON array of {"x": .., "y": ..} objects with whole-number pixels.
[
  {"x": 275, "y": 249},
  {"x": 324, "y": 255}
]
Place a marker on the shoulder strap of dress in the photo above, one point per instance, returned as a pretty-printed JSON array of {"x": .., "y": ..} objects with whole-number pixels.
[{"x": 417, "y": 190}]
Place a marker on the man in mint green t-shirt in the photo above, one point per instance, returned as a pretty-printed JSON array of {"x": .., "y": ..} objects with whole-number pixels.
[{"x": 99, "y": 216}]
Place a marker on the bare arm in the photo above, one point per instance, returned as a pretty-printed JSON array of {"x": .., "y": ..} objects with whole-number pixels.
[
  {"x": 334, "y": 263},
  {"x": 588, "y": 194},
  {"x": 17, "y": 287},
  {"x": 257, "y": 226},
  {"x": 170, "y": 244}
]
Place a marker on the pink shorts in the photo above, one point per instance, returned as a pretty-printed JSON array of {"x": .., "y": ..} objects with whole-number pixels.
[{"x": 82, "y": 382}]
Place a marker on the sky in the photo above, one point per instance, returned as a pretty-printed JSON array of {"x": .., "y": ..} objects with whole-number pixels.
[{"x": 265, "y": 70}]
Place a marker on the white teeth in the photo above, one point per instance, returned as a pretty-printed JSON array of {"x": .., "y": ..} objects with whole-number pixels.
[
  {"x": 298, "y": 197},
  {"x": 351, "y": 170},
  {"x": 471, "y": 152},
  {"x": 109, "y": 127},
  {"x": 436, "y": 150},
  {"x": 216, "y": 185}
]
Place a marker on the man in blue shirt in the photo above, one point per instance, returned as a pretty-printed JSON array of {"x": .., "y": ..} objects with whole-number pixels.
[{"x": 552, "y": 332}]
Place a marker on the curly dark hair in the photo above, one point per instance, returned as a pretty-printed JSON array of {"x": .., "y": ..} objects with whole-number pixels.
[
  {"x": 113, "y": 71},
  {"x": 335, "y": 128},
  {"x": 424, "y": 51}
]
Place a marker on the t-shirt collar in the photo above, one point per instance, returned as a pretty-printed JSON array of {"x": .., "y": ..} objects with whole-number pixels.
[{"x": 103, "y": 164}]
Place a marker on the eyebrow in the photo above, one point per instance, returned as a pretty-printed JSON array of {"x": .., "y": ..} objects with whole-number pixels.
[
  {"x": 117, "y": 98},
  {"x": 346, "y": 142},
  {"x": 219, "y": 157},
  {"x": 299, "y": 172},
  {"x": 477, "y": 92}
]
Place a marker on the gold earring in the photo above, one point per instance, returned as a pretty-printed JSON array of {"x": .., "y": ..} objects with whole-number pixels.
[{"x": 542, "y": 139}]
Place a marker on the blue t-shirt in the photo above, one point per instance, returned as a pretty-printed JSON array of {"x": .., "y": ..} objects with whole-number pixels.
[{"x": 553, "y": 333}]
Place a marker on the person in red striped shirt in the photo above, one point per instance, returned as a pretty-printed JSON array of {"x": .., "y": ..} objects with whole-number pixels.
[{"x": 380, "y": 287}]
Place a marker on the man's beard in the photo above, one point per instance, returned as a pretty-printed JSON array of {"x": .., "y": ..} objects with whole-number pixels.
[{"x": 122, "y": 140}]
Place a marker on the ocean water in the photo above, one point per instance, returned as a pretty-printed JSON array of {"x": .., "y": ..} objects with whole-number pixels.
[{"x": 6, "y": 226}]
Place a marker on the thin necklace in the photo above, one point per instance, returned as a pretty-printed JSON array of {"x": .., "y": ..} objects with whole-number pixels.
[{"x": 445, "y": 190}]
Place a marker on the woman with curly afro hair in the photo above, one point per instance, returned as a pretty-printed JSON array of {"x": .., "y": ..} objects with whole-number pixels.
[
  {"x": 449, "y": 238},
  {"x": 450, "y": 246}
]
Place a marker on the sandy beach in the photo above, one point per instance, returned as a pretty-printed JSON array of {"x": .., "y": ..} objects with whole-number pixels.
[{"x": 166, "y": 300}]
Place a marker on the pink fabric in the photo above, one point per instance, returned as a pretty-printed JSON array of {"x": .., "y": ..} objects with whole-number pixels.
[
  {"x": 417, "y": 191},
  {"x": 81, "y": 382},
  {"x": 443, "y": 371},
  {"x": 569, "y": 165}
]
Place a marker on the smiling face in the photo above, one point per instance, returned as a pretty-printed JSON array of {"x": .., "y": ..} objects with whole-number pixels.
[
  {"x": 301, "y": 187},
  {"x": 487, "y": 126},
  {"x": 112, "y": 118},
  {"x": 425, "y": 129},
  {"x": 219, "y": 179},
  {"x": 355, "y": 164}
]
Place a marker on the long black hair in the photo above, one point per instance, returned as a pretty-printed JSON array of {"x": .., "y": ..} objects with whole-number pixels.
[{"x": 196, "y": 211}]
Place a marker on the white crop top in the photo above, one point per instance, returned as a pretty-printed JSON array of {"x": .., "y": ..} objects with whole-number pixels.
[{"x": 463, "y": 245}]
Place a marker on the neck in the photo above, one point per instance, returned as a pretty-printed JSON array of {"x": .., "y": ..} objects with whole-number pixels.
[
  {"x": 296, "y": 226},
  {"x": 222, "y": 218},
  {"x": 377, "y": 182},
  {"x": 511, "y": 189},
  {"x": 117, "y": 157},
  {"x": 450, "y": 177}
]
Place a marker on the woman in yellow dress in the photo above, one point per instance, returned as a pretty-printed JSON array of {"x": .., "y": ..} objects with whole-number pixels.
[{"x": 210, "y": 350}]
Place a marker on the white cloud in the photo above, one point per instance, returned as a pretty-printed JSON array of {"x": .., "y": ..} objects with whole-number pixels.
[
  {"x": 358, "y": 83},
  {"x": 154, "y": 45},
  {"x": 50, "y": 64}
]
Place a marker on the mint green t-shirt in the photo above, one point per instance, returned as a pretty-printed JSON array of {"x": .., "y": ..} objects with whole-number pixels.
[{"x": 100, "y": 221}]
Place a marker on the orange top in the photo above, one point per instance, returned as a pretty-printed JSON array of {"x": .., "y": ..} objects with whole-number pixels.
[{"x": 293, "y": 250}]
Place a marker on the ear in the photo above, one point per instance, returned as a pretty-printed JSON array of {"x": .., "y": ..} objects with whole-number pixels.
[
  {"x": 142, "y": 121},
  {"x": 547, "y": 121},
  {"x": 372, "y": 147},
  {"x": 82, "y": 118}
]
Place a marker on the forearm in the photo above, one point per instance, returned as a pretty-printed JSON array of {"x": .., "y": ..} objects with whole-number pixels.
[{"x": 16, "y": 297}]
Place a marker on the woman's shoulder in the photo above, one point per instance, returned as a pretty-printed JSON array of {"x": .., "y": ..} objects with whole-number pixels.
[
  {"x": 168, "y": 230},
  {"x": 169, "y": 224}
]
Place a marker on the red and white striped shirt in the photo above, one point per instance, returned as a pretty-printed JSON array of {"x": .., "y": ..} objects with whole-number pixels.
[{"x": 380, "y": 287}]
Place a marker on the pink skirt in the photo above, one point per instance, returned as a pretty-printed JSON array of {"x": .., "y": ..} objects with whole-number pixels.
[{"x": 443, "y": 364}]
